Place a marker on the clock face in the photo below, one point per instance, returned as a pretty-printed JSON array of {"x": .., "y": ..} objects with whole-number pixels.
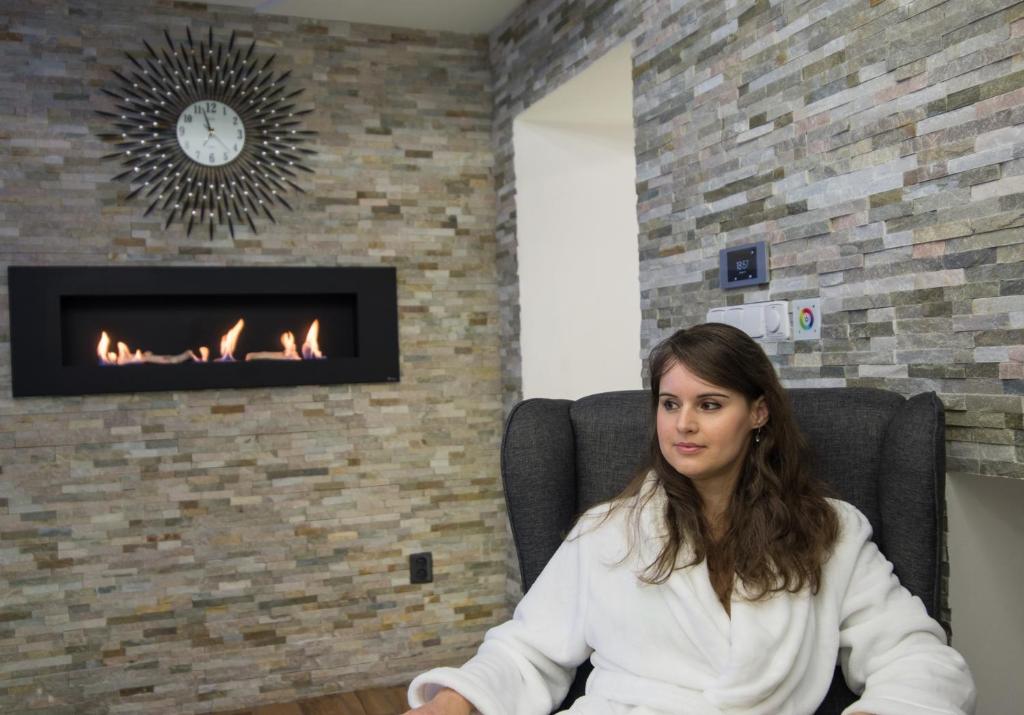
[
  {"x": 158, "y": 123},
  {"x": 211, "y": 133}
]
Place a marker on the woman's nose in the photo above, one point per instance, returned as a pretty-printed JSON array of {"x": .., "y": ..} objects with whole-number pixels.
[{"x": 685, "y": 421}]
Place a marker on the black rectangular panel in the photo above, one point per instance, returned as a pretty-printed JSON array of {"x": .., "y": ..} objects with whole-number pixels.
[{"x": 57, "y": 315}]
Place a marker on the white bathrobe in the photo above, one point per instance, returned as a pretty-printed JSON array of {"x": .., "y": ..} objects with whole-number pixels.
[{"x": 672, "y": 648}]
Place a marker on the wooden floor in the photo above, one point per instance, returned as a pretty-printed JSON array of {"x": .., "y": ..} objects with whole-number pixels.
[{"x": 375, "y": 701}]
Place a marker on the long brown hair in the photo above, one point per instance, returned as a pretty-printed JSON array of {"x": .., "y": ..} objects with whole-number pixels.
[{"x": 779, "y": 529}]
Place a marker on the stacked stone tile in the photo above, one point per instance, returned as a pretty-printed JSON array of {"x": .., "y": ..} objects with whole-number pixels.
[
  {"x": 189, "y": 552},
  {"x": 876, "y": 145}
]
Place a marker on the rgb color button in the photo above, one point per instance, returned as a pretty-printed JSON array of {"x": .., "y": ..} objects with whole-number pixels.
[{"x": 807, "y": 319}]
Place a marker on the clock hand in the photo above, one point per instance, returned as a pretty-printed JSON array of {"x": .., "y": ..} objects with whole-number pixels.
[
  {"x": 214, "y": 136},
  {"x": 206, "y": 120}
]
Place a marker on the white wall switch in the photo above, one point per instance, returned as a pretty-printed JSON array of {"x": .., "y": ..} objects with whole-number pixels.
[
  {"x": 753, "y": 321},
  {"x": 776, "y": 320},
  {"x": 761, "y": 321},
  {"x": 807, "y": 319}
]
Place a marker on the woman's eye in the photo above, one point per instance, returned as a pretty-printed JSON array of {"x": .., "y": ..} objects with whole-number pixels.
[
  {"x": 709, "y": 405},
  {"x": 668, "y": 404}
]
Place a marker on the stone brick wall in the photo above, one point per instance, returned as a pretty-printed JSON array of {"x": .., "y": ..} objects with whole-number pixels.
[
  {"x": 159, "y": 554},
  {"x": 877, "y": 145},
  {"x": 185, "y": 552}
]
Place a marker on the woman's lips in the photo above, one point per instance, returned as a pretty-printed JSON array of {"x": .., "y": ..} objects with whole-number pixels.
[{"x": 687, "y": 448}]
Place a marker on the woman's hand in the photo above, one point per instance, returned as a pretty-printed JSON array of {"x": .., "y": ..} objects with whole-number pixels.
[{"x": 446, "y": 702}]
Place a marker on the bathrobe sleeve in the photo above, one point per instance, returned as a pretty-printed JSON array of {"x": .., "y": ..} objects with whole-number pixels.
[
  {"x": 526, "y": 665},
  {"x": 891, "y": 650}
]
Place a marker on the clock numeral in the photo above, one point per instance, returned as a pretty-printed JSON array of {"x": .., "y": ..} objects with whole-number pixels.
[
  {"x": 213, "y": 158},
  {"x": 234, "y": 148},
  {"x": 240, "y": 135},
  {"x": 211, "y": 106},
  {"x": 181, "y": 131},
  {"x": 187, "y": 118},
  {"x": 235, "y": 120},
  {"x": 225, "y": 156}
]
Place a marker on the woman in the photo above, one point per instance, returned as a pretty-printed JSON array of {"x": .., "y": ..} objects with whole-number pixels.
[{"x": 720, "y": 581}]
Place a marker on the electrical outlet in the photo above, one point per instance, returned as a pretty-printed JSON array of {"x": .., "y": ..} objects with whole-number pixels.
[{"x": 421, "y": 568}]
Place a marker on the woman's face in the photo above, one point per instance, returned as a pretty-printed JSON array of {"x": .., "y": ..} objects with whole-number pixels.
[{"x": 704, "y": 429}]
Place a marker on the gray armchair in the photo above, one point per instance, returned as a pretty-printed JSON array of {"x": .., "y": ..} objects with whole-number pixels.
[{"x": 878, "y": 450}]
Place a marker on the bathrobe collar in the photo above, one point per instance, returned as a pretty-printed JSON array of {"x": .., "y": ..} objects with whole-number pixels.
[{"x": 754, "y": 650}]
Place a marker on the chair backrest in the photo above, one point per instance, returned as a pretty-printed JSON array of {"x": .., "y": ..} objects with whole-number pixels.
[{"x": 877, "y": 450}]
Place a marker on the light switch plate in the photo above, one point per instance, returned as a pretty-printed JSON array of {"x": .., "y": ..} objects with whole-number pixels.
[
  {"x": 776, "y": 320},
  {"x": 762, "y": 321},
  {"x": 807, "y": 319},
  {"x": 753, "y": 321}
]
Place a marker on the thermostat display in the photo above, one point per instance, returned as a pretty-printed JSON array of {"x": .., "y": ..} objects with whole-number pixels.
[{"x": 743, "y": 265}]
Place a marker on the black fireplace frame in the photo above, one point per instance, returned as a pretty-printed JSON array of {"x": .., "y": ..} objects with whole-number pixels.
[{"x": 36, "y": 294}]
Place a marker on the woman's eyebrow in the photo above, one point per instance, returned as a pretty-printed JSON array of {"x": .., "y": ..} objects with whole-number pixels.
[{"x": 701, "y": 396}]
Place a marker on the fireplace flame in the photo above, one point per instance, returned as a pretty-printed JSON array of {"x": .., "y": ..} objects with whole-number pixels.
[
  {"x": 228, "y": 342},
  {"x": 125, "y": 356},
  {"x": 311, "y": 348},
  {"x": 106, "y": 357},
  {"x": 288, "y": 343}
]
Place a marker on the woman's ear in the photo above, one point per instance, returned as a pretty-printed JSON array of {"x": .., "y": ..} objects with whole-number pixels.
[{"x": 759, "y": 413}]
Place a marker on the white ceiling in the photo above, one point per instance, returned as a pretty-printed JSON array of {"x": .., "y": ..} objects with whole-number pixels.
[{"x": 464, "y": 16}]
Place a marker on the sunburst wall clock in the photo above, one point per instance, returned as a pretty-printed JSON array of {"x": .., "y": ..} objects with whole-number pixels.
[{"x": 207, "y": 133}]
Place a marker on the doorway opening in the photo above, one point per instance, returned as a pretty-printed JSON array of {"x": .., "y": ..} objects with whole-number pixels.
[{"x": 579, "y": 273}]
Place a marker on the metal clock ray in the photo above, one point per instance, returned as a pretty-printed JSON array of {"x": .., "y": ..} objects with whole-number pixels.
[{"x": 154, "y": 98}]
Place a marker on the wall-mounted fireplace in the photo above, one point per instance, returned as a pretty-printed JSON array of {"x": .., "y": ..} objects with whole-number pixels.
[{"x": 85, "y": 330}]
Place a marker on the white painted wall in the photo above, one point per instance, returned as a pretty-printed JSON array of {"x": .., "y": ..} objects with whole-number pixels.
[
  {"x": 579, "y": 273},
  {"x": 986, "y": 584}
]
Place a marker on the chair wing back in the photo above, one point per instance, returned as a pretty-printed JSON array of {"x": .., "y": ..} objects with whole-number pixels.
[
  {"x": 538, "y": 472},
  {"x": 559, "y": 458},
  {"x": 884, "y": 454},
  {"x": 876, "y": 449}
]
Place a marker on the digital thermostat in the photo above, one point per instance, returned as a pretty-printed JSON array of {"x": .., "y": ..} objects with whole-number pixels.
[{"x": 743, "y": 265}]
